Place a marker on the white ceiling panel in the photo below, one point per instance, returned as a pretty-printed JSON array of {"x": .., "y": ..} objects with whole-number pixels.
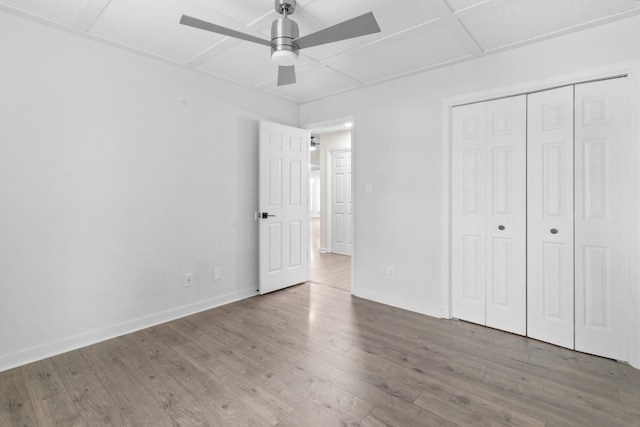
[
  {"x": 247, "y": 63},
  {"x": 522, "y": 20},
  {"x": 392, "y": 17},
  {"x": 313, "y": 83},
  {"x": 63, "y": 12},
  {"x": 416, "y": 34},
  {"x": 456, "y": 5},
  {"x": 152, "y": 26},
  {"x": 420, "y": 48},
  {"x": 243, "y": 11}
]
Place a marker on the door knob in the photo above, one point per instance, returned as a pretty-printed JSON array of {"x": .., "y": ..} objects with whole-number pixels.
[
  {"x": 501, "y": 227},
  {"x": 265, "y": 215},
  {"x": 554, "y": 231}
]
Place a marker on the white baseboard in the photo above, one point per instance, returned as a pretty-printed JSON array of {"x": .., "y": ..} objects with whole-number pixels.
[
  {"x": 399, "y": 302},
  {"x": 64, "y": 345},
  {"x": 322, "y": 250}
]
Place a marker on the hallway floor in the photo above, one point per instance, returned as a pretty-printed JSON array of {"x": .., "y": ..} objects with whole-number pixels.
[{"x": 328, "y": 269}]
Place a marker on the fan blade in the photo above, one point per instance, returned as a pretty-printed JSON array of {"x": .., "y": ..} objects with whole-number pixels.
[
  {"x": 208, "y": 26},
  {"x": 286, "y": 75},
  {"x": 356, "y": 27}
]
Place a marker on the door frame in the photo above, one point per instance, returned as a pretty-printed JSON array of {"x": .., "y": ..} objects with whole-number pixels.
[
  {"x": 337, "y": 124},
  {"x": 632, "y": 71},
  {"x": 329, "y": 192}
]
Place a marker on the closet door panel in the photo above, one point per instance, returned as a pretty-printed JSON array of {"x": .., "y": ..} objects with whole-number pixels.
[
  {"x": 506, "y": 214},
  {"x": 550, "y": 281},
  {"x": 469, "y": 213},
  {"x": 602, "y": 188}
]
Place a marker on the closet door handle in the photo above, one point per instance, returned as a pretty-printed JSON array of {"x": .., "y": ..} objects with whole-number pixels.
[
  {"x": 501, "y": 227},
  {"x": 553, "y": 231}
]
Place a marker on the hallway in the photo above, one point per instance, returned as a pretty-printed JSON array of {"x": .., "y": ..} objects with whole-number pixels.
[{"x": 328, "y": 269}]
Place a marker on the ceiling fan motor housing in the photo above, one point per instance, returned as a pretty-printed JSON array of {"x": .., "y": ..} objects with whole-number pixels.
[{"x": 283, "y": 32}]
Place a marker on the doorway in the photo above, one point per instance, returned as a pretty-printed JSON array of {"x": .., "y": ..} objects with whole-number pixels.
[{"x": 331, "y": 265}]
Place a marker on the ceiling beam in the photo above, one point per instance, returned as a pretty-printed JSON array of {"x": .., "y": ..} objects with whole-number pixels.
[
  {"x": 451, "y": 20},
  {"x": 479, "y": 8},
  {"x": 88, "y": 15}
]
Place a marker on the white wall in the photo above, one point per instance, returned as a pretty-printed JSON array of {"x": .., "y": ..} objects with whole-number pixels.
[
  {"x": 118, "y": 174},
  {"x": 398, "y": 148},
  {"x": 329, "y": 141}
]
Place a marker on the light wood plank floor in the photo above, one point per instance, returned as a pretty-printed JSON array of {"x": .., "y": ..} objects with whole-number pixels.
[
  {"x": 328, "y": 269},
  {"x": 313, "y": 355}
]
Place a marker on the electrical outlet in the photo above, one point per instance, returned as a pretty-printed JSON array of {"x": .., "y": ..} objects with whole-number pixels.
[
  {"x": 188, "y": 280},
  {"x": 391, "y": 272},
  {"x": 217, "y": 273}
]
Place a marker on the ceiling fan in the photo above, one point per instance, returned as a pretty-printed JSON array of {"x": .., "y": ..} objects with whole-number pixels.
[
  {"x": 285, "y": 40},
  {"x": 314, "y": 142}
]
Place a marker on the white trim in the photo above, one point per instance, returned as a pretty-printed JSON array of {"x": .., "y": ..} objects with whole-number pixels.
[
  {"x": 634, "y": 250},
  {"x": 446, "y": 210},
  {"x": 328, "y": 204},
  {"x": 354, "y": 194},
  {"x": 64, "y": 345},
  {"x": 542, "y": 84},
  {"x": 327, "y": 200},
  {"x": 335, "y": 125},
  {"x": 399, "y": 302},
  {"x": 632, "y": 70}
]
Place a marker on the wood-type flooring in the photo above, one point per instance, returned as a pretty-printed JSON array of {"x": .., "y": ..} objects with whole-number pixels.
[
  {"x": 327, "y": 268},
  {"x": 313, "y": 355}
]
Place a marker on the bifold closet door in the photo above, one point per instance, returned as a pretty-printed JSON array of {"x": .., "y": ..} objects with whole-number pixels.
[
  {"x": 468, "y": 231},
  {"x": 603, "y": 157},
  {"x": 488, "y": 204},
  {"x": 550, "y": 293},
  {"x": 541, "y": 190},
  {"x": 506, "y": 215}
]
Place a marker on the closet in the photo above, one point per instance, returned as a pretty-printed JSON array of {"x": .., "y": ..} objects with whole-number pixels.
[
  {"x": 541, "y": 186},
  {"x": 488, "y": 206}
]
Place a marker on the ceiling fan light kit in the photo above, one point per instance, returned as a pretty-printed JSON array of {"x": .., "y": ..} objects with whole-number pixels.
[
  {"x": 285, "y": 40},
  {"x": 283, "y": 32}
]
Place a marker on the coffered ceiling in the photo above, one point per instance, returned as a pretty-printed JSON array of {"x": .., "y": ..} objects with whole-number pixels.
[{"x": 416, "y": 35}]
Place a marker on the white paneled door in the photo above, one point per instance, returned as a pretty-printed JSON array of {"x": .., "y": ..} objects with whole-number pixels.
[
  {"x": 341, "y": 236},
  {"x": 550, "y": 216},
  {"x": 541, "y": 201},
  {"x": 283, "y": 206},
  {"x": 506, "y": 222},
  {"x": 468, "y": 180},
  {"x": 602, "y": 203},
  {"x": 488, "y": 204}
]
